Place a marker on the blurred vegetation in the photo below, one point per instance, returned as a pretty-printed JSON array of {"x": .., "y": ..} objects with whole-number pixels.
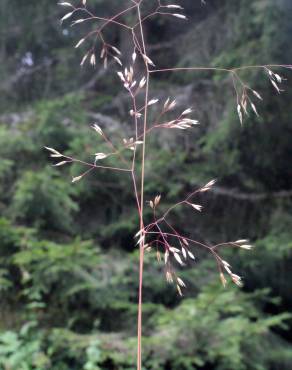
[{"x": 68, "y": 264}]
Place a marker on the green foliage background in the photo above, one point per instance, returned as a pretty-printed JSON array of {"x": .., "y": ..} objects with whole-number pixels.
[{"x": 68, "y": 264}]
